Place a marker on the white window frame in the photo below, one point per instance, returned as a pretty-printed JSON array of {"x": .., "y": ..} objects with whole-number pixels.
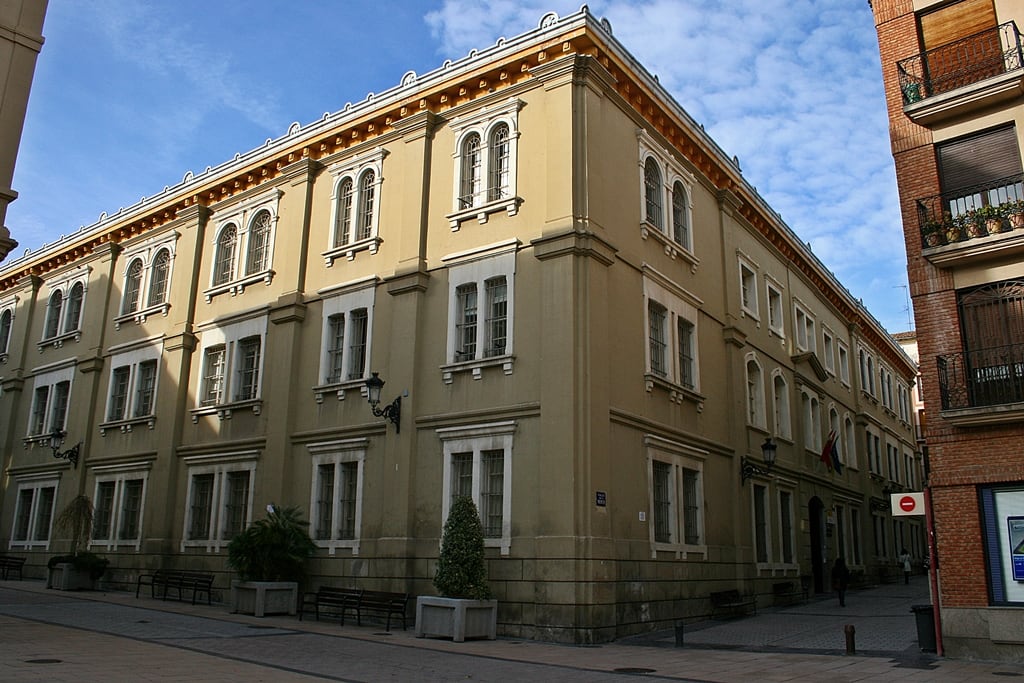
[
  {"x": 844, "y": 363},
  {"x": 776, "y": 309},
  {"x": 146, "y": 252},
  {"x": 131, "y": 356},
  {"x": 850, "y": 441},
  {"x": 756, "y": 413},
  {"x": 781, "y": 408},
  {"x": 828, "y": 350},
  {"x": 354, "y": 170},
  {"x": 483, "y": 122},
  {"x": 903, "y": 401},
  {"x": 49, "y": 377},
  {"x": 219, "y": 466},
  {"x": 477, "y": 267},
  {"x": 344, "y": 300},
  {"x": 810, "y": 405},
  {"x": 873, "y": 447},
  {"x": 475, "y": 439},
  {"x": 804, "y": 335},
  {"x": 748, "y": 289},
  {"x": 35, "y": 483},
  {"x": 678, "y": 457},
  {"x": 8, "y": 307},
  {"x": 866, "y": 362},
  {"x": 678, "y": 303},
  {"x": 672, "y": 172},
  {"x": 65, "y": 284},
  {"x": 241, "y": 215},
  {"x": 230, "y": 336},
  {"x": 337, "y": 453},
  {"x": 119, "y": 475}
]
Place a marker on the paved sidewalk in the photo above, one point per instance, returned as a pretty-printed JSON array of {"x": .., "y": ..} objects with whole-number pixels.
[{"x": 97, "y": 636}]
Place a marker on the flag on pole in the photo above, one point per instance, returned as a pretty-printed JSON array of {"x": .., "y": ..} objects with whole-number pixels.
[
  {"x": 826, "y": 452},
  {"x": 838, "y": 466}
]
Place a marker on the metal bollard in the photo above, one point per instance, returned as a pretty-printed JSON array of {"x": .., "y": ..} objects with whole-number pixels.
[
  {"x": 851, "y": 645},
  {"x": 679, "y": 633}
]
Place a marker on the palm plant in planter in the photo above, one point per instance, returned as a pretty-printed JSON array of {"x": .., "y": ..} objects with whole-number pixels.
[
  {"x": 270, "y": 557},
  {"x": 80, "y": 568},
  {"x": 465, "y": 608}
]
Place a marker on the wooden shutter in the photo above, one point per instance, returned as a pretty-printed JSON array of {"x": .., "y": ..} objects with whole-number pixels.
[
  {"x": 978, "y": 159},
  {"x": 956, "y": 21}
]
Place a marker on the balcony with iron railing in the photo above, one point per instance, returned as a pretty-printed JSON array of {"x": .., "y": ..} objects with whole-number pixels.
[
  {"x": 988, "y": 379},
  {"x": 971, "y": 72},
  {"x": 976, "y": 220}
]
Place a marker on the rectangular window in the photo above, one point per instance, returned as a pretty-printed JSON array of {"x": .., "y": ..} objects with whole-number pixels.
[
  {"x": 103, "y": 510},
  {"x": 131, "y": 510},
  {"x": 855, "y": 550},
  {"x": 219, "y": 504},
  {"x": 497, "y": 316},
  {"x": 492, "y": 487},
  {"x": 145, "y": 388},
  {"x": 236, "y": 505},
  {"x": 748, "y": 290},
  {"x": 357, "y": 344},
  {"x": 656, "y": 319},
  {"x": 335, "y": 502},
  {"x": 466, "y": 326},
  {"x": 345, "y": 342},
  {"x": 201, "y": 507},
  {"x": 248, "y": 369},
  {"x": 691, "y": 511},
  {"x": 775, "y": 308},
  {"x": 686, "y": 356},
  {"x": 335, "y": 348},
  {"x": 761, "y": 523},
  {"x": 117, "y": 519},
  {"x": 786, "y": 525},
  {"x": 324, "y": 502},
  {"x": 33, "y": 515},
  {"x": 348, "y": 500},
  {"x": 40, "y": 400},
  {"x": 118, "y": 393},
  {"x": 844, "y": 364},
  {"x": 828, "y": 351},
  {"x": 462, "y": 476},
  {"x": 662, "y": 473},
  {"x": 213, "y": 376}
]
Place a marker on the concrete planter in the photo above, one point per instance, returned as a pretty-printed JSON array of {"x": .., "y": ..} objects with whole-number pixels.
[
  {"x": 456, "y": 618},
  {"x": 64, "y": 577},
  {"x": 264, "y": 597}
]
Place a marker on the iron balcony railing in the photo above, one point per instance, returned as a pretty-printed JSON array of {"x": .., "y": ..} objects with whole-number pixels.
[
  {"x": 970, "y": 212},
  {"x": 962, "y": 62},
  {"x": 987, "y": 377}
]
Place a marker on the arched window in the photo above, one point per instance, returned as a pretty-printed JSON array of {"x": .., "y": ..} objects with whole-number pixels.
[
  {"x": 73, "y": 317},
  {"x": 224, "y": 260},
  {"x": 364, "y": 218},
  {"x": 343, "y": 216},
  {"x": 500, "y": 162},
  {"x": 755, "y": 394},
  {"x": 259, "y": 243},
  {"x": 6, "y": 319},
  {"x": 158, "y": 278},
  {"x": 54, "y": 308},
  {"x": 652, "y": 193},
  {"x": 132, "y": 287},
  {"x": 780, "y": 398},
  {"x": 680, "y": 224},
  {"x": 471, "y": 179}
]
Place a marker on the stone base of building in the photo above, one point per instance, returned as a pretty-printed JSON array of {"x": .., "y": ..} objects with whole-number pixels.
[{"x": 989, "y": 633}]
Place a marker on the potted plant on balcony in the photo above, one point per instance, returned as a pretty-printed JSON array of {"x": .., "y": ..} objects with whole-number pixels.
[
  {"x": 1014, "y": 212},
  {"x": 934, "y": 232},
  {"x": 270, "y": 557},
  {"x": 955, "y": 228},
  {"x": 990, "y": 217},
  {"x": 465, "y": 608},
  {"x": 79, "y": 569}
]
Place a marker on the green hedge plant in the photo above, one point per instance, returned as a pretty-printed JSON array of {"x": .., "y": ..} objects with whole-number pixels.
[{"x": 461, "y": 567}]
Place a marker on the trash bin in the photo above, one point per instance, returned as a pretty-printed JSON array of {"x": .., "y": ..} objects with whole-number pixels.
[{"x": 925, "y": 627}]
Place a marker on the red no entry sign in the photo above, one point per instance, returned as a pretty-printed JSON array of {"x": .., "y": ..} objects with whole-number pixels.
[{"x": 907, "y": 504}]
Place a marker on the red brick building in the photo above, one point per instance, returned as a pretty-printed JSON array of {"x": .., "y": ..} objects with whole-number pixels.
[{"x": 954, "y": 87}]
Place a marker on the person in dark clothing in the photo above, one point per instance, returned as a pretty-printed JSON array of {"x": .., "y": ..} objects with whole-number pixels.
[
  {"x": 840, "y": 579},
  {"x": 904, "y": 560}
]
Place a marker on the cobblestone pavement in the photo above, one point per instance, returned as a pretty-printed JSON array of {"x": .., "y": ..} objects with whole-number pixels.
[{"x": 81, "y": 637}]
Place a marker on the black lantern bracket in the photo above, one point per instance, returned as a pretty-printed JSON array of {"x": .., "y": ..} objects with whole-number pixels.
[
  {"x": 71, "y": 454},
  {"x": 750, "y": 469},
  {"x": 392, "y": 412}
]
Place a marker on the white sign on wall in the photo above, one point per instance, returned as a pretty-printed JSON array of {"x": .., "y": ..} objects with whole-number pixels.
[{"x": 904, "y": 504}]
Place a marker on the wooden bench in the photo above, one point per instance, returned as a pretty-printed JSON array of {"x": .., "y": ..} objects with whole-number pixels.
[
  {"x": 732, "y": 601},
  {"x": 787, "y": 592},
  {"x": 10, "y": 564},
  {"x": 330, "y": 600},
  {"x": 180, "y": 581},
  {"x": 383, "y": 603}
]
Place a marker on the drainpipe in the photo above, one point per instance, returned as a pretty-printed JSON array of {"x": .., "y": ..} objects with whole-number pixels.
[{"x": 933, "y": 566}]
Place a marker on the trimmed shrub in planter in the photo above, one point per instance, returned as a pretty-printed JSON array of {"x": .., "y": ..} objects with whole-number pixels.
[{"x": 465, "y": 609}]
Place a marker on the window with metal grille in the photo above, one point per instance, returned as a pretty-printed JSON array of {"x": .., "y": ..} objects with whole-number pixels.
[
  {"x": 357, "y": 344},
  {"x": 680, "y": 223},
  {"x": 465, "y": 328},
  {"x": 367, "y": 189},
  {"x": 201, "y": 507},
  {"x": 656, "y": 315},
  {"x": 687, "y": 374},
  {"x": 335, "y": 348},
  {"x": 103, "y": 510},
  {"x": 652, "y": 193},
  {"x": 472, "y": 170},
  {"x": 224, "y": 259},
  {"x": 347, "y": 499},
  {"x": 691, "y": 507},
  {"x": 131, "y": 510},
  {"x": 500, "y": 163},
  {"x": 132, "y": 287},
  {"x": 73, "y": 315},
  {"x": 760, "y": 523},
  {"x": 159, "y": 275},
  {"x": 6, "y": 322},
  {"x": 462, "y": 476},
  {"x": 259, "y": 243},
  {"x": 343, "y": 214},
  {"x": 248, "y": 368},
  {"x": 324, "y": 502},
  {"x": 213, "y": 375},
  {"x": 786, "y": 525},
  {"x": 236, "y": 506},
  {"x": 662, "y": 473},
  {"x": 492, "y": 486},
  {"x": 497, "y": 315},
  {"x": 119, "y": 393},
  {"x": 53, "y": 310},
  {"x": 145, "y": 386},
  {"x": 34, "y": 514}
]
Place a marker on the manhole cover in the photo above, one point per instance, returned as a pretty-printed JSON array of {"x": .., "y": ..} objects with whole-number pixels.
[
  {"x": 633, "y": 670},
  {"x": 43, "y": 661}
]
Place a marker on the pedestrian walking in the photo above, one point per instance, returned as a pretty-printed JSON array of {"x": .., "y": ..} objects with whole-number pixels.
[
  {"x": 840, "y": 579},
  {"x": 904, "y": 560}
]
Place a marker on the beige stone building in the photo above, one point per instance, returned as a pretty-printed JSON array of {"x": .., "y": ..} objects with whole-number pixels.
[{"x": 592, "y": 320}]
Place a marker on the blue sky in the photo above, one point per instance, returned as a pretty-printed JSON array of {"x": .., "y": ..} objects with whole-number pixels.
[{"x": 129, "y": 96}]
